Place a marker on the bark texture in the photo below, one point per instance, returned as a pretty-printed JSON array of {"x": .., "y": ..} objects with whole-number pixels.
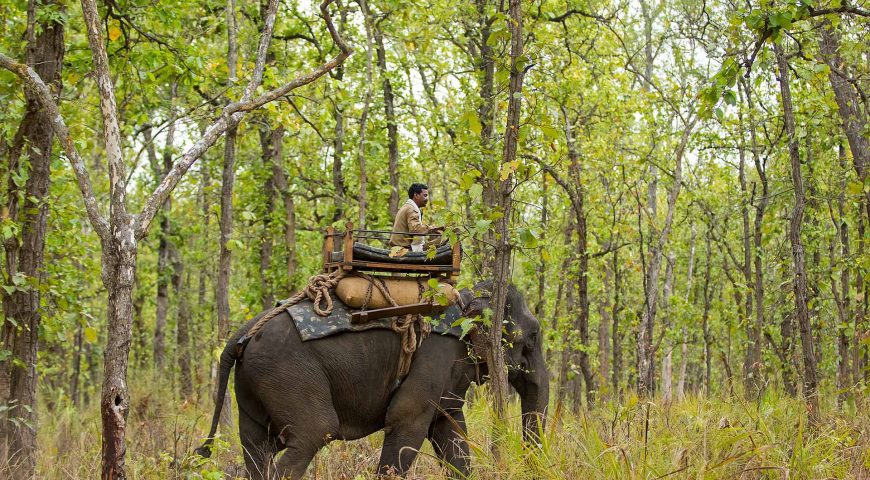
[
  {"x": 28, "y": 206},
  {"x": 799, "y": 283}
]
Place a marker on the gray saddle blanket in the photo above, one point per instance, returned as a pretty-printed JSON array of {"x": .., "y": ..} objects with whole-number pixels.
[{"x": 312, "y": 326}]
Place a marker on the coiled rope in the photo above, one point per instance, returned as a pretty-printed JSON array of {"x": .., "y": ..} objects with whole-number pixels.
[{"x": 317, "y": 290}]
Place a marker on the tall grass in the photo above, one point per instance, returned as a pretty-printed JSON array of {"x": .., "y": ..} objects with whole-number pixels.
[{"x": 696, "y": 437}]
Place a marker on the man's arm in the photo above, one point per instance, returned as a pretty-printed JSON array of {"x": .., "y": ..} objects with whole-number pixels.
[{"x": 415, "y": 225}]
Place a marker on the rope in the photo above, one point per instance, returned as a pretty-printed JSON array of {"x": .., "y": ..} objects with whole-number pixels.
[
  {"x": 317, "y": 290},
  {"x": 403, "y": 325}
]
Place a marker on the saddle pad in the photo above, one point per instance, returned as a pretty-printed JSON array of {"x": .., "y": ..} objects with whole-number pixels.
[
  {"x": 368, "y": 253},
  {"x": 312, "y": 326}
]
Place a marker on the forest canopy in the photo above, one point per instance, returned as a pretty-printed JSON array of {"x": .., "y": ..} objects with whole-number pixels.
[{"x": 679, "y": 190}]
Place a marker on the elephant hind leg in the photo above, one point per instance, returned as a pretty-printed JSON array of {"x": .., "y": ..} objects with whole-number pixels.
[
  {"x": 294, "y": 462},
  {"x": 258, "y": 447}
]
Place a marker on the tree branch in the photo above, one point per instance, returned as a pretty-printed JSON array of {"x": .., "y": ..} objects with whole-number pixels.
[
  {"x": 43, "y": 95},
  {"x": 109, "y": 109},
  {"x": 234, "y": 112}
]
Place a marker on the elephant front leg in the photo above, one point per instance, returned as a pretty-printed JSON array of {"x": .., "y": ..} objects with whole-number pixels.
[
  {"x": 401, "y": 444},
  {"x": 407, "y": 424},
  {"x": 447, "y": 435}
]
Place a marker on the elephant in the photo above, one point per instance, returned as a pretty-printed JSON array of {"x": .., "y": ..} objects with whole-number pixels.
[{"x": 298, "y": 396}]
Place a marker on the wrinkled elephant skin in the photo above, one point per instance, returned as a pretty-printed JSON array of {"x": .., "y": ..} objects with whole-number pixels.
[{"x": 300, "y": 396}]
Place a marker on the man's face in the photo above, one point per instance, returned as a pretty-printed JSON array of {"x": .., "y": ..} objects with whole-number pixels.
[{"x": 422, "y": 198}]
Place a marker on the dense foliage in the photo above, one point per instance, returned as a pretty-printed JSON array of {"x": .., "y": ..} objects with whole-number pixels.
[{"x": 653, "y": 194}]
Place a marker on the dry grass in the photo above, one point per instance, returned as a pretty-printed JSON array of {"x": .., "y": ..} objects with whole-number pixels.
[{"x": 698, "y": 438}]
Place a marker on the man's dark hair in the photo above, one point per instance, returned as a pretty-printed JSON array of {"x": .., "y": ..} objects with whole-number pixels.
[{"x": 416, "y": 188}]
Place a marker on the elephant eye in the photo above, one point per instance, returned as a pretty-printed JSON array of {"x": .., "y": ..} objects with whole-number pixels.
[{"x": 533, "y": 338}]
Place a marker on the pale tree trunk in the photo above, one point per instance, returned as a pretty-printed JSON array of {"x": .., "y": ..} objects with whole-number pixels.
[
  {"x": 797, "y": 248},
  {"x": 120, "y": 234},
  {"x": 684, "y": 332},
  {"x": 25, "y": 252},
  {"x": 668, "y": 357},
  {"x": 705, "y": 317},
  {"x": 390, "y": 116},
  {"x": 363, "y": 120},
  {"x": 501, "y": 270},
  {"x": 646, "y": 351}
]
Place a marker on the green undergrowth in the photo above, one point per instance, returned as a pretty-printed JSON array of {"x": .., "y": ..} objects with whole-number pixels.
[{"x": 696, "y": 437}]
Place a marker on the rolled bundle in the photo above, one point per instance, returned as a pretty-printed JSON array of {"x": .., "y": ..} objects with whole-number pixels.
[{"x": 405, "y": 291}]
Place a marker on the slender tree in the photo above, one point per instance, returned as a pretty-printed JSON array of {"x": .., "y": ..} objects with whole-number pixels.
[{"x": 25, "y": 252}]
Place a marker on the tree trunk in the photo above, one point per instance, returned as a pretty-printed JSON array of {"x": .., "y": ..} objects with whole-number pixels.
[
  {"x": 338, "y": 187},
  {"x": 165, "y": 242},
  {"x": 25, "y": 253},
  {"x": 684, "y": 333},
  {"x": 668, "y": 358},
  {"x": 617, "y": 333},
  {"x": 843, "y": 296},
  {"x": 363, "y": 120},
  {"x": 119, "y": 266},
  {"x": 849, "y": 106},
  {"x": 390, "y": 114},
  {"x": 267, "y": 144},
  {"x": 705, "y": 318},
  {"x": 800, "y": 275},
  {"x": 183, "y": 322},
  {"x": 224, "y": 262},
  {"x": 859, "y": 353},
  {"x": 752, "y": 359},
  {"x": 605, "y": 312},
  {"x": 542, "y": 262},
  {"x": 567, "y": 340},
  {"x": 501, "y": 270},
  {"x": 646, "y": 352},
  {"x": 484, "y": 63},
  {"x": 577, "y": 193},
  {"x": 289, "y": 205},
  {"x": 760, "y": 206}
]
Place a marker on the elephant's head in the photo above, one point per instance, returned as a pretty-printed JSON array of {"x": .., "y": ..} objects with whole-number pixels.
[{"x": 524, "y": 355}]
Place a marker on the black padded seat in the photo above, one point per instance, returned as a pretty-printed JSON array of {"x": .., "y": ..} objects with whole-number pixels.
[{"x": 368, "y": 253}]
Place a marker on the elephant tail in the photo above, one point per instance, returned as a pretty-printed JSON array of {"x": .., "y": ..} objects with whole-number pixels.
[{"x": 227, "y": 362}]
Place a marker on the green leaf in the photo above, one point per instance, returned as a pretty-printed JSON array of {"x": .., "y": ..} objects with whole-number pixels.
[
  {"x": 90, "y": 334},
  {"x": 528, "y": 238},
  {"x": 475, "y": 190},
  {"x": 730, "y": 97},
  {"x": 781, "y": 19},
  {"x": 549, "y": 132}
]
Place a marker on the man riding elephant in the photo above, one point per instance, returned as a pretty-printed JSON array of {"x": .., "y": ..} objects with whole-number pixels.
[
  {"x": 409, "y": 221},
  {"x": 297, "y": 395}
]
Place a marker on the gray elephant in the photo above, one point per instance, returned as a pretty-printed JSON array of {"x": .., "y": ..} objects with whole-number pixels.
[{"x": 299, "y": 396}]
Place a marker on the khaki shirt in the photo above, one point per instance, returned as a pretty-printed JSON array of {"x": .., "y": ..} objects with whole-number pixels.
[{"x": 408, "y": 220}]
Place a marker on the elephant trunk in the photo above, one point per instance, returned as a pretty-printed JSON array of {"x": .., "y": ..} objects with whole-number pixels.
[{"x": 534, "y": 399}]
